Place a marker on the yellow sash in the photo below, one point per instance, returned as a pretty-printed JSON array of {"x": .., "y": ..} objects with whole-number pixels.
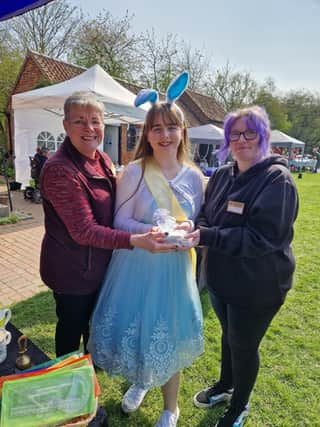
[{"x": 165, "y": 198}]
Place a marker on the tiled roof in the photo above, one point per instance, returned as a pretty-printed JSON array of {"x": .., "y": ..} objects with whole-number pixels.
[
  {"x": 199, "y": 109},
  {"x": 208, "y": 106},
  {"x": 54, "y": 69}
]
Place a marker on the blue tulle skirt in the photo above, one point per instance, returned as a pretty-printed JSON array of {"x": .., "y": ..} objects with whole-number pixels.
[{"x": 147, "y": 324}]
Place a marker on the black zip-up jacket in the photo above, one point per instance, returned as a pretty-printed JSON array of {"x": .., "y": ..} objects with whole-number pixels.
[{"x": 250, "y": 261}]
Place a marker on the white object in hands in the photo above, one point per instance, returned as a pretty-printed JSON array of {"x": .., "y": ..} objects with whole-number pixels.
[{"x": 167, "y": 224}]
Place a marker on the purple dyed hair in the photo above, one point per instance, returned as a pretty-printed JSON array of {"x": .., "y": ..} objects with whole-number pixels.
[{"x": 256, "y": 119}]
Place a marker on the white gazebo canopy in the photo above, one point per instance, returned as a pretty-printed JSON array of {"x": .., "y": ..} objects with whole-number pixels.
[
  {"x": 40, "y": 112},
  {"x": 206, "y": 134},
  {"x": 282, "y": 140},
  {"x": 118, "y": 101}
]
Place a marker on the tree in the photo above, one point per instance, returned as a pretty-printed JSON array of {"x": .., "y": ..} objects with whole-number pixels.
[
  {"x": 266, "y": 97},
  {"x": 158, "y": 59},
  {"x": 232, "y": 89},
  {"x": 164, "y": 58},
  {"x": 10, "y": 63},
  {"x": 107, "y": 41},
  {"x": 303, "y": 109},
  {"x": 196, "y": 63},
  {"x": 48, "y": 30}
]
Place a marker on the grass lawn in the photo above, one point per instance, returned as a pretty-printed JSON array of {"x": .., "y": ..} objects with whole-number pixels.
[{"x": 287, "y": 392}]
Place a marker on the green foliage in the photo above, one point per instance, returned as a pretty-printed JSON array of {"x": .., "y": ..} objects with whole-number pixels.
[
  {"x": 9, "y": 171},
  {"x": 6, "y": 168},
  {"x": 275, "y": 109},
  {"x": 232, "y": 89},
  {"x": 10, "y": 63},
  {"x": 11, "y": 219},
  {"x": 287, "y": 390},
  {"x": 106, "y": 41},
  {"x": 303, "y": 110}
]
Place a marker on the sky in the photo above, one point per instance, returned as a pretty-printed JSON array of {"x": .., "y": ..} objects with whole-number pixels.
[{"x": 271, "y": 38}]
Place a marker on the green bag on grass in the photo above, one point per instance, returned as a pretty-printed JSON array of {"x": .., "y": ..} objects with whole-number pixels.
[{"x": 49, "y": 399}]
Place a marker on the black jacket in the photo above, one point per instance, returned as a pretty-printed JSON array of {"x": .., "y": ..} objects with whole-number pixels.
[{"x": 250, "y": 261}]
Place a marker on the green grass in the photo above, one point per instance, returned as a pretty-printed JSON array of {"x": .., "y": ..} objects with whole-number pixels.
[
  {"x": 287, "y": 392},
  {"x": 11, "y": 219}
]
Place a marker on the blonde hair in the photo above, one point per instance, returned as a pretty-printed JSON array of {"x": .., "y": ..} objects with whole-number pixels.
[{"x": 85, "y": 100}]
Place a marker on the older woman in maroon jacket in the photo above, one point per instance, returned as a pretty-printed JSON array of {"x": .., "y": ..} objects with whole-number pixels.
[{"x": 78, "y": 190}]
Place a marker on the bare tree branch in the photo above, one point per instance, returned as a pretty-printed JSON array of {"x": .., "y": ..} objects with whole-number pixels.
[
  {"x": 48, "y": 30},
  {"x": 107, "y": 41}
]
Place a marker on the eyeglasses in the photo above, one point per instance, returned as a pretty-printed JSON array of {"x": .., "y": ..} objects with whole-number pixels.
[
  {"x": 248, "y": 135},
  {"x": 80, "y": 123}
]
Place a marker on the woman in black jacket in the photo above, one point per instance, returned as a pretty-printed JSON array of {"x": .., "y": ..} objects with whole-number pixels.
[{"x": 246, "y": 223}]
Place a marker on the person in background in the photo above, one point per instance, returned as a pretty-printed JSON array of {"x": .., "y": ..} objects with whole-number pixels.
[
  {"x": 246, "y": 223},
  {"x": 37, "y": 163},
  {"x": 78, "y": 189},
  {"x": 316, "y": 153},
  {"x": 147, "y": 324}
]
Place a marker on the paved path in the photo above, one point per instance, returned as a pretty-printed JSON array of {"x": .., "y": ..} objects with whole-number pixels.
[{"x": 19, "y": 253}]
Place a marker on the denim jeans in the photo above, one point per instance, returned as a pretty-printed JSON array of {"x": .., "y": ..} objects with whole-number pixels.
[{"x": 242, "y": 332}]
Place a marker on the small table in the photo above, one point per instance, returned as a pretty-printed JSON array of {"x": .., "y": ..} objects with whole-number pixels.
[{"x": 37, "y": 356}]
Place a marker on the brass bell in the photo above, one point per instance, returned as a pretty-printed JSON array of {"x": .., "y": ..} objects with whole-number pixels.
[{"x": 23, "y": 361}]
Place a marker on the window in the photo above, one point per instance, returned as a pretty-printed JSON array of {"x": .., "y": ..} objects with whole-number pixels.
[
  {"x": 46, "y": 139},
  {"x": 133, "y": 136},
  {"x": 60, "y": 139}
]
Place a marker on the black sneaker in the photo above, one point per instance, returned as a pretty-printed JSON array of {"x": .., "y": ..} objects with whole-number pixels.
[
  {"x": 233, "y": 417},
  {"x": 211, "y": 396}
]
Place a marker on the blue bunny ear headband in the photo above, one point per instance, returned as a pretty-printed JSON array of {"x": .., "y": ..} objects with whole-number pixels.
[{"x": 174, "y": 91}]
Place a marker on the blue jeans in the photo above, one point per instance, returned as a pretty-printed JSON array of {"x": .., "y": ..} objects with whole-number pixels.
[{"x": 242, "y": 332}]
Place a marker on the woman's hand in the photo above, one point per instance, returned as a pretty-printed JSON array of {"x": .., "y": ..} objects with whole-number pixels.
[
  {"x": 193, "y": 240},
  {"x": 194, "y": 237},
  {"x": 187, "y": 226},
  {"x": 153, "y": 241}
]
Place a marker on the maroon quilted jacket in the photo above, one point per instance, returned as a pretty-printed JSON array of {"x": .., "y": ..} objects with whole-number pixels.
[{"x": 78, "y": 205}]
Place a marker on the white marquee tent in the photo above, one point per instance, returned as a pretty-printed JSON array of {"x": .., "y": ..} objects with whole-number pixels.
[
  {"x": 282, "y": 140},
  {"x": 211, "y": 134},
  {"x": 39, "y": 113},
  {"x": 206, "y": 134}
]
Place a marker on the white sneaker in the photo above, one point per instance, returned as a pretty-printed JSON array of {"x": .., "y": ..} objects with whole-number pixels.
[
  {"x": 133, "y": 398},
  {"x": 168, "y": 419}
]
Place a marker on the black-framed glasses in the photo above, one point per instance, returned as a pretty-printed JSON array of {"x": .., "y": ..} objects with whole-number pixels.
[{"x": 248, "y": 135}]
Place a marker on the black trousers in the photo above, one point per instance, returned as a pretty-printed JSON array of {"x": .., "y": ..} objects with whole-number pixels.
[
  {"x": 242, "y": 332},
  {"x": 73, "y": 312}
]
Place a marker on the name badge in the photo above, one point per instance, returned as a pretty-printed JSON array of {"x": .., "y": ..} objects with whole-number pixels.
[{"x": 235, "y": 207}]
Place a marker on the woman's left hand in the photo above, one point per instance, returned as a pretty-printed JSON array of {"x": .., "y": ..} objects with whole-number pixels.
[
  {"x": 187, "y": 226},
  {"x": 194, "y": 239},
  {"x": 194, "y": 236}
]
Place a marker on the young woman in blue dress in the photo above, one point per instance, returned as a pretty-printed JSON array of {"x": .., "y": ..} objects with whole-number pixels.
[{"x": 147, "y": 324}]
